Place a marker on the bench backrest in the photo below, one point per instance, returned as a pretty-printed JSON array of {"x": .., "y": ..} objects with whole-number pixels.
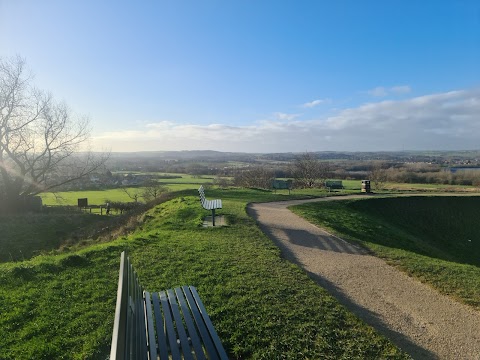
[
  {"x": 129, "y": 336},
  {"x": 334, "y": 184},
  {"x": 282, "y": 184},
  {"x": 201, "y": 190}
]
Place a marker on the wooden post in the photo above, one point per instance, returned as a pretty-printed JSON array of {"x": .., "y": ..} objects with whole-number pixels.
[{"x": 213, "y": 217}]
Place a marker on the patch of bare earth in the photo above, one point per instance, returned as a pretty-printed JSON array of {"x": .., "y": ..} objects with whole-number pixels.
[{"x": 418, "y": 319}]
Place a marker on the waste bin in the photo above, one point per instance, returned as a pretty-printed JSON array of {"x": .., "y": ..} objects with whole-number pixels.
[{"x": 366, "y": 186}]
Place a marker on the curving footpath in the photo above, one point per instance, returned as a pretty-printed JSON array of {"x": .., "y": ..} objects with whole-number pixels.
[{"x": 418, "y": 319}]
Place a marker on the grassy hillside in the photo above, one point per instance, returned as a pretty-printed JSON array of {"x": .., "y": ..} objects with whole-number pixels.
[
  {"x": 435, "y": 239},
  {"x": 62, "y": 307},
  {"x": 25, "y": 236}
]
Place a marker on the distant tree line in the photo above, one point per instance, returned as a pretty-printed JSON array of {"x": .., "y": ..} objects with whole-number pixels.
[
  {"x": 423, "y": 174},
  {"x": 308, "y": 171}
]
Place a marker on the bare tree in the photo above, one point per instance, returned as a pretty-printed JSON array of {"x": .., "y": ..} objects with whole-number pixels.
[
  {"x": 153, "y": 189},
  {"x": 309, "y": 172},
  {"x": 256, "y": 177},
  {"x": 40, "y": 138},
  {"x": 132, "y": 193},
  {"x": 378, "y": 175},
  {"x": 222, "y": 181}
]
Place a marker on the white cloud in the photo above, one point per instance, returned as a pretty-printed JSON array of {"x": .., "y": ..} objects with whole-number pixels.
[
  {"x": 285, "y": 117},
  {"x": 314, "y": 103},
  {"x": 402, "y": 89},
  {"x": 448, "y": 120},
  {"x": 381, "y": 91},
  {"x": 161, "y": 125}
]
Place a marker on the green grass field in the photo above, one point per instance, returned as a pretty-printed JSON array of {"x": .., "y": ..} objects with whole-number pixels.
[
  {"x": 95, "y": 197},
  {"x": 99, "y": 197},
  {"x": 188, "y": 179},
  {"x": 62, "y": 306},
  {"x": 434, "y": 238}
]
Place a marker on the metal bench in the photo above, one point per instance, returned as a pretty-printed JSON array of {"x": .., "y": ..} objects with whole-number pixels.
[
  {"x": 209, "y": 204},
  {"x": 178, "y": 326},
  {"x": 334, "y": 184},
  {"x": 282, "y": 184}
]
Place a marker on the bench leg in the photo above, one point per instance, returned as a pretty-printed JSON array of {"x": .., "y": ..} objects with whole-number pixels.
[{"x": 213, "y": 217}]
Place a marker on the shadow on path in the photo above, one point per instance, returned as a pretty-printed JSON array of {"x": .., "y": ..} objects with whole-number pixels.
[
  {"x": 316, "y": 240},
  {"x": 328, "y": 242},
  {"x": 322, "y": 242}
]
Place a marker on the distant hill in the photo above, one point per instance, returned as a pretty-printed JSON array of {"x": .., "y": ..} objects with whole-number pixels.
[{"x": 211, "y": 155}]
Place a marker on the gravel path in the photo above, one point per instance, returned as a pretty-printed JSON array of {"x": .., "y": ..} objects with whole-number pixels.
[{"x": 418, "y": 319}]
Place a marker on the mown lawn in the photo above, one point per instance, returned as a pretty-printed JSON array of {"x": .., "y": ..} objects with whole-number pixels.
[
  {"x": 95, "y": 197},
  {"x": 62, "y": 306},
  {"x": 99, "y": 197},
  {"x": 434, "y": 238}
]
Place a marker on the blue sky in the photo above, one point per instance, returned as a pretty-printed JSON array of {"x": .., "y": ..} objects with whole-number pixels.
[{"x": 258, "y": 76}]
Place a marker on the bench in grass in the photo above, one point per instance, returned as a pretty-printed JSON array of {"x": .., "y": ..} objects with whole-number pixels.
[
  {"x": 282, "y": 184},
  {"x": 209, "y": 204},
  {"x": 171, "y": 324},
  {"x": 334, "y": 184}
]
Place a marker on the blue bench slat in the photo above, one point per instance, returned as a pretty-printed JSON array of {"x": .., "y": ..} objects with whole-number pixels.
[
  {"x": 138, "y": 326},
  {"x": 207, "y": 341},
  {"x": 182, "y": 335},
  {"x": 212, "y": 204},
  {"x": 208, "y": 323},
  {"x": 141, "y": 345},
  {"x": 151, "y": 331},
  {"x": 192, "y": 331},
  {"x": 170, "y": 330},
  {"x": 161, "y": 337}
]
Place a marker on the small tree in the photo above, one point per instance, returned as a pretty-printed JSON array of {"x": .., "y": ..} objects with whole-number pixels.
[
  {"x": 222, "y": 181},
  {"x": 309, "y": 172},
  {"x": 132, "y": 193},
  {"x": 378, "y": 175},
  {"x": 256, "y": 177},
  {"x": 153, "y": 189}
]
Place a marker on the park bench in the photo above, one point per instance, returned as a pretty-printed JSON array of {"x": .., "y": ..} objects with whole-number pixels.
[
  {"x": 282, "y": 184},
  {"x": 209, "y": 204},
  {"x": 334, "y": 184},
  {"x": 177, "y": 327}
]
